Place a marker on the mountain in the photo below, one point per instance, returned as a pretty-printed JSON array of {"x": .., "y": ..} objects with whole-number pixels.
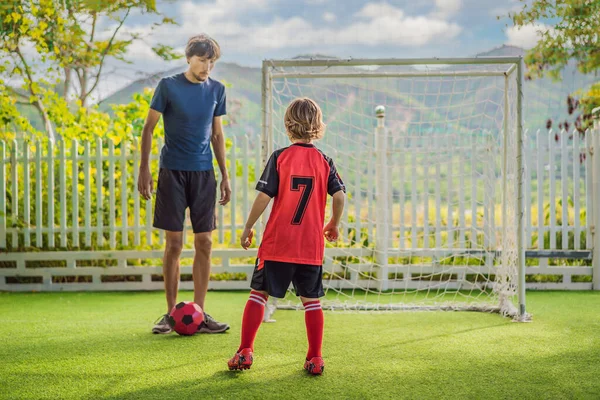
[
  {"x": 419, "y": 104},
  {"x": 544, "y": 98},
  {"x": 243, "y": 93},
  {"x": 503, "y": 51}
]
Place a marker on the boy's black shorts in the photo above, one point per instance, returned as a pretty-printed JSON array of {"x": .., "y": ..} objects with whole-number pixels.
[
  {"x": 178, "y": 190},
  {"x": 275, "y": 278}
]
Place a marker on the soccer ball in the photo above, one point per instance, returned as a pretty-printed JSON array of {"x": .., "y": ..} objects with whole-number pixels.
[{"x": 186, "y": 317}]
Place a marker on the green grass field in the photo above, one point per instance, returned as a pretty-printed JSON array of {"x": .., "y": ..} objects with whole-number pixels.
[{"x": 99, "y": 346}]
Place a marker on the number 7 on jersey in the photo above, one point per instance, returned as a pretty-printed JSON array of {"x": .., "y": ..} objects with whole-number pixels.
[{"x": 305, "y": 185}]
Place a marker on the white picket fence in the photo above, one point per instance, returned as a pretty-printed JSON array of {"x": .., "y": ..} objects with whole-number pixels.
[
  {"x": 79, "y": 201},
  {"x": 84, "y": 195}
]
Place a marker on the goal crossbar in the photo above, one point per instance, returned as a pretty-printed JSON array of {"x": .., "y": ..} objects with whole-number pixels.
[
  {"x": 354, "y": 62},
  {"x": 386, "y": 75}
]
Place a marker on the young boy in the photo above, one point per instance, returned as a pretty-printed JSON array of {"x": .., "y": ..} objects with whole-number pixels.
[{"x": 298, "y": 177}]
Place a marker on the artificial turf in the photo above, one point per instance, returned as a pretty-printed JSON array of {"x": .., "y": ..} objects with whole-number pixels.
[{"x": 99, "y": 346}]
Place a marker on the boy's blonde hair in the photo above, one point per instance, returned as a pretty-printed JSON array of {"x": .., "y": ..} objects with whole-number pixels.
[{"x": 304, "y": 120}]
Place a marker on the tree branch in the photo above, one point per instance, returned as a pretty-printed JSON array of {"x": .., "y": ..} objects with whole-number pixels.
[
  {"x": 94, "y": 20},
  {"x": 68, "y": 72},
  {"x": 37, "y": 103},
  {"x": 27, "y": 70},
  {"x": 79, "y": 77},
  {"x": 105, "y": 52},
  {"x": 84, "y": 82},
  {"x": 16, "y": 93}
]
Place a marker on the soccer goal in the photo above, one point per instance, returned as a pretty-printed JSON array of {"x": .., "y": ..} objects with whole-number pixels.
[{"x": 431, "y": 154}]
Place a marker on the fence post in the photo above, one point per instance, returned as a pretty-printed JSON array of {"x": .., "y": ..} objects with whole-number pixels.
[
  {"x": 381, "y": 190},
  {"x": 595, "y": 228},
  {"x": 2, "y": 195}
]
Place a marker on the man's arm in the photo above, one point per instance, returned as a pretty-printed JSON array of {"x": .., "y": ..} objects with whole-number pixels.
[
  {"x": 218, "y": 142},
  {"x": 145, "y": 184}
]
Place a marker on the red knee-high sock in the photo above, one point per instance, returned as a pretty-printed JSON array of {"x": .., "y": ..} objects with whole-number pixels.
[
  {"x": 253, "y": 316},
  {"x": 313, "y": 317}
]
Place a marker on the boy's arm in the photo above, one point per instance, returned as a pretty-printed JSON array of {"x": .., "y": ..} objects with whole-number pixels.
[
  {"x": 268, "y": 186},
  {"x": 331, "y": 230},
  {"x": 145, "y": 184},
  {"x": 259, "y": 206},
  {"x": 339, "y": 198},
  {"x": 218, "y": 142},
  {"x": 337, "y": 190}
]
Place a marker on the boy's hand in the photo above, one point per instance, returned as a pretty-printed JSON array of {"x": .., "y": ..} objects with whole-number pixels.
[
  {"x": 246, "y": 239},
  {"x": 331, "y": 232}
]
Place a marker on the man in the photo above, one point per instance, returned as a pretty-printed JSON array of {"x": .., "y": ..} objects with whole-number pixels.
[{"x": 191, "y": 104}]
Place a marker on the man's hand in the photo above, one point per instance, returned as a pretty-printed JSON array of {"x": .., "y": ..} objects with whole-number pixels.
[
  {"x": 145, "y": 184},
  {"x": 331, "y": 232},
  {"x": 225, "y": 192},
  {"x": 246, "y": 239}
]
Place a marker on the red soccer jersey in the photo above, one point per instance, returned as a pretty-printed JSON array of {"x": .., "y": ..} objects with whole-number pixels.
[{"x": 299, "y": 177}]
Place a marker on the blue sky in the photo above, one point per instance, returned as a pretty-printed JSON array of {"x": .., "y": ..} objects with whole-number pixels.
[{"x": 252, "y": 30}]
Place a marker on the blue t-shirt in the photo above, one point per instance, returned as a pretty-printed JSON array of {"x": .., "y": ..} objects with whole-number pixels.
[{"x": 188, "y": 109}]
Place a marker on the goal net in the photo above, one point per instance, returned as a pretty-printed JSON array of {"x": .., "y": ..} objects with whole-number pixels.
[{"x": 429, "y": 152}]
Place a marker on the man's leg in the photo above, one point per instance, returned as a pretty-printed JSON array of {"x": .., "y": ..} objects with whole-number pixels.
[
  {"x": 201, "y": 274},
  {"x": 201, "y": 269},
  {"x": 201, "y": 197},
  {"x": 169, "y": 215},
  {"x": 173, "y": 250}
]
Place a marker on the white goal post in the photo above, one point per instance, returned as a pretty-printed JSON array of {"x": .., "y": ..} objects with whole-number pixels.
[{"x": 431, "y": 151}]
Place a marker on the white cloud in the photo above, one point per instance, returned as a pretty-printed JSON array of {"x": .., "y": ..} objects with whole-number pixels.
[
  {"x": 375, "y": 24},
  {"x": 378, "y": 10},
  {"x": 297, "y": 32},
  {"x": 526, "y": 36},
  {"x": 217, "y": 19},
  {"x": 329, "y": 17},
  {"x": 382, "y": 23},
  {"x": 502, "y": 11},
  {"x": 446, "y": 8},
  {"x": 234, "y": 4},
  {"x": 392, "y": 27},
  {"x": 141, "y": 50}
]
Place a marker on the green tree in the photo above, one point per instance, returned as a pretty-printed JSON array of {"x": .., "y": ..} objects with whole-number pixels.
[
  {"x": 54, "y": 48},
  {"x": 569, "y": 32},
  {"x": 85, "y": 58},
  {"x": 31, "y": 23}
]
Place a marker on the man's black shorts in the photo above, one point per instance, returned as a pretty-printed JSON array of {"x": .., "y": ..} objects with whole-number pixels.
[
  {"x": 275, "y": 278},
  {"x": 178, "y": 190}
]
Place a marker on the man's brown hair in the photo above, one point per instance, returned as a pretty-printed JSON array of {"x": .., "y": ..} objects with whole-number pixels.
[
  {"x": 304, "y": 120},
  {"x": 203, "y": 45}
]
